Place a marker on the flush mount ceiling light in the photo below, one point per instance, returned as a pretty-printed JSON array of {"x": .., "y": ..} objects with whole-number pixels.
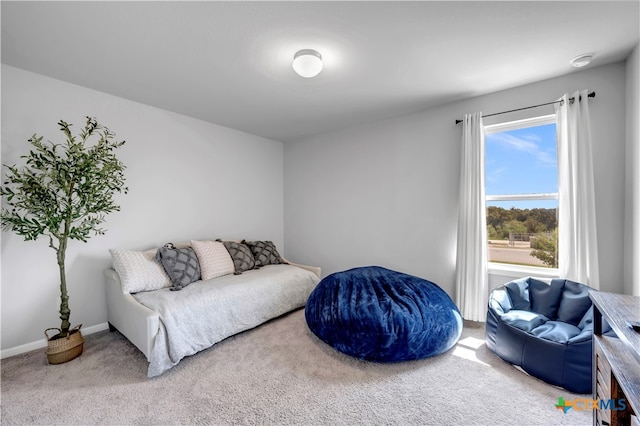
[
  {"x": 307, "y": 63},
  {"x": 582, "y": 60}
]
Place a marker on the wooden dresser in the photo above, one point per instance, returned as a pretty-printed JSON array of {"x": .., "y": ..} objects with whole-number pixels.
[{"x": 616, "y": 372}]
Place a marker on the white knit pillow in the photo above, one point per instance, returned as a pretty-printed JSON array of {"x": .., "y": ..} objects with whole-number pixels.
[
  {"x": 139, "y": 271},
  {"x": 215, "y": 260}
]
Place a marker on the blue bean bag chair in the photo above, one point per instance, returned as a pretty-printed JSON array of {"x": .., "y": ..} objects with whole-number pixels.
[
  {"x": 376, "y": 314},
  {"x": 545, "y": 328}
]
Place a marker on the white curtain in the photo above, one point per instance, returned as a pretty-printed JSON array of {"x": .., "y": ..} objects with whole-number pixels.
[
  {"x": 471, "y": 263},
  {"x": 577, "y": 240}
]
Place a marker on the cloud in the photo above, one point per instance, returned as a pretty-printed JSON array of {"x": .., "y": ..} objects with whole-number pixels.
[
  {"x": 493, "y": 175},
  {"x": 529, "y": 143}
]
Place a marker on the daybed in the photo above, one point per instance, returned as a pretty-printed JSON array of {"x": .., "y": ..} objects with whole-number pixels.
[
  {"x": 545, "y": 328},
  {"x": 231, "y": 294}
]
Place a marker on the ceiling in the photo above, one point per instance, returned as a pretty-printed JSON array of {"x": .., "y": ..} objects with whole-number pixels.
[{"x": 229, "y": 63}]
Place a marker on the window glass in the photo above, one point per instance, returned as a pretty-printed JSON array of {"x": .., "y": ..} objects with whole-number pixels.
[
  {"x": 522, "y": 161},
  {"x": 523, "y": 233},
  {"x": 522, "y": 193}
]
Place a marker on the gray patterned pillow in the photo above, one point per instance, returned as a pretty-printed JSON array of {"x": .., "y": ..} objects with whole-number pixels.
[
  {"x": 264, "y": 253},
  {"x": 181, "y": 265},
  {"x": 241, "y": 254}
]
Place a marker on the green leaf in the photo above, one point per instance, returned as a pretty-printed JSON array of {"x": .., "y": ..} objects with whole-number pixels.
[{"x": 63, "y": 190}]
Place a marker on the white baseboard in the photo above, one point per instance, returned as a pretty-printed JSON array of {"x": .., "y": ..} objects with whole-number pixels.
[{"x": 39, "y": 344}]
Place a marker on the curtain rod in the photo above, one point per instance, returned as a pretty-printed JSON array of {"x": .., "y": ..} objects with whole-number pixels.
[{"x": 591, "y": 95}]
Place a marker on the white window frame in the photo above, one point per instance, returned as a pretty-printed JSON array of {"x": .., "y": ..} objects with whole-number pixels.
[{"x": 504, "y": 269}]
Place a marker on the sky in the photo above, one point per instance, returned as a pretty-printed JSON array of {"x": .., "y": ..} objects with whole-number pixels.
[{"x": 522, "y": 161}]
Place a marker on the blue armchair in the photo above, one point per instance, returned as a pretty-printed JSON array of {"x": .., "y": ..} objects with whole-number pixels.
[{"x": 545, "y": 328}]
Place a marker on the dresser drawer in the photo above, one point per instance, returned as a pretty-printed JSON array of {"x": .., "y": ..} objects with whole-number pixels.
[
  {"x": 603, "y": 385},
  {"x": 603, "y": 368},
  {"x": 603, "y": 388},
  {"x": 603, "y": 418}
]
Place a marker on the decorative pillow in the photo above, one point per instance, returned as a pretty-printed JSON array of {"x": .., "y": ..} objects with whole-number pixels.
[
  {"x": 241, "y": 254},
  {"x": 214, "y": 258},
  {"x": 181, "y": 264},
  {"x": 545, "y": 298},
  {"x": 574, "y": 303},
  {"x": 519, "y": 294},
  {"x": 139, "y": 271},
  {"x": 264, "y": 253}
]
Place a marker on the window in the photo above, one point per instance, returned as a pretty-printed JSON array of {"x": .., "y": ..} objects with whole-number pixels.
[{"x": 522, "y": 192}]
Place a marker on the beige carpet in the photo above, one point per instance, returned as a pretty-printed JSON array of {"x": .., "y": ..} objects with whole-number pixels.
[{"x": 278, "y": 373}]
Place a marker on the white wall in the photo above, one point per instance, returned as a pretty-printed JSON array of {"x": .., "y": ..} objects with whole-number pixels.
[
  {"x": 386, "y": 193},
  {"x": 383, "y": 193},
  {"x": 632, "y": 208},
  {"x": 187, "y": 179}
]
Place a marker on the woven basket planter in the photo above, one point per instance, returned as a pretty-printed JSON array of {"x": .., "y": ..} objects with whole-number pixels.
[{"x": 63, "y": 349}]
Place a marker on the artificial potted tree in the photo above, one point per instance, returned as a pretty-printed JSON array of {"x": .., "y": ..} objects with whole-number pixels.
[{"x": 63, "y": 191}]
